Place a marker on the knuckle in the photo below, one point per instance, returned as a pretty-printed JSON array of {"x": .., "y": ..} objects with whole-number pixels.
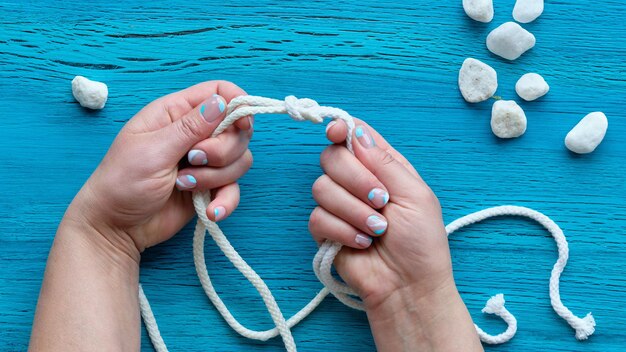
[
  {"x": 320, "y": 184},
  {"x": 425, "y": 195},
  {"x": 314, "y": 219},
  {"x": 326, "y": 156},
  {"x": 248, "y": 159},
  {"x": 219, "y": 156},
  {"x": 190, "y": 128},
  {"x": 364, "y": 183},
  {"x": 330, "y": 155},
  {"x": 386, "y": 159}
]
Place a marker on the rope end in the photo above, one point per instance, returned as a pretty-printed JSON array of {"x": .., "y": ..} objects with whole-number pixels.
[
  {"x": 585, "y": 327},
  {"x": 495, "y": 304}
]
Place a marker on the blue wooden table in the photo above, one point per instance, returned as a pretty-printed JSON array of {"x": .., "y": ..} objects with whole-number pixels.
[{"x": 393, "y": 63}]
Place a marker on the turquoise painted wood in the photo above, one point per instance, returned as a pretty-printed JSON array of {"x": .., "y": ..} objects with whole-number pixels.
[{"x": 393, "y": 63}]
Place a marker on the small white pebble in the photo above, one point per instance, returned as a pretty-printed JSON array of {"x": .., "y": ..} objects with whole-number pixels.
[
  {"x": 527, "y": 10},
  {"x": 477, "y": 80},
  {"x": 507, "y": 119},
  {"x": 479, "y": 10},
  {"x": 587, "y": 134},
  {"x": 510, "y": 40},
  {"x": 90, "y": 94},
  {"x": 531, "y": 86}
]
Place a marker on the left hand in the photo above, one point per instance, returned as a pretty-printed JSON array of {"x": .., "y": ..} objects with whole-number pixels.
[{"x": 142, "y": 189}]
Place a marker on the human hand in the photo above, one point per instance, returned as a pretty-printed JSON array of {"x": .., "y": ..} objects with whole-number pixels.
[
  {"x": 142, "y": 190},
  {"x": 375, "y": 203},
  {"x": 396, "y": 254}
]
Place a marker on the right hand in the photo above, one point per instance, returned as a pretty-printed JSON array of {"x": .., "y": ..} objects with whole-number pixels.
[{"x": 376, "y": 204}]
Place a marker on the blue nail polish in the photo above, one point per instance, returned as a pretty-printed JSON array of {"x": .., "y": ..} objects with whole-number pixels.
[
  {"x": 191, "y": 179},
  {"x": 221, "y": 105},
  {"x": 202, "y": 108},
  {"x": 197, "y": 157},
  {"x": 371, "y": 195},
  {"x": 358, "y": 131},
  {"x": 216, "y": 212}
]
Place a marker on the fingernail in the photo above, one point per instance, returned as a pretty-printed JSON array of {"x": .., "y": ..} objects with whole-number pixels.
[
  {"x": 185, "y": 182},
  {"x": 376, "y": 224},
  {"x": 250, "y": 122},
  {"x": 364, "y": 137},
  {"x": 219, "y": 212},
  {"x": 330, "y": 124},
  {"x": 363, "y": 241},
  {"x": 213, "y": 108},
  {"x": 197, "y": 157},
  {"x": 378, "y": 197}
]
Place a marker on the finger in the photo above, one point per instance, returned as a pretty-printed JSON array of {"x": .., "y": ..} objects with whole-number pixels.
[
  {"x": 206, "y": 178},
  {"x": 198, "y": 93},
  {"x": 347, "y": 171},
  {"x": 399, "y": 181},
  {"x": 224, "y": 202},
  {"x": 245, "y": 123},
  {"x": 336, "y": 200},
  {"x": 336, "y": 131},
  {"x": 175, "y": 140},
  {"x": 324, "y": 225},
  {"x": 337, "y": 134},
  {"x": 194, "y": 95},
  {"x": 220, "y": 150}
]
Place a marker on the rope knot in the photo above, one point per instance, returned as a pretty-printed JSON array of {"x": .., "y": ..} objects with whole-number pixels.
[{"x": 303, "y": 109}]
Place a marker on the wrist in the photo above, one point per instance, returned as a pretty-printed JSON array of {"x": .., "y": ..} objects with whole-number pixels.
[
  {"x": 83, "y": 225},
  {"x": 412, "y": 319},
  {"x": 423, "y": 304}
]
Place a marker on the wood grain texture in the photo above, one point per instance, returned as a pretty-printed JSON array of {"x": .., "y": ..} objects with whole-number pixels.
[{"x": 393, "y": 63}]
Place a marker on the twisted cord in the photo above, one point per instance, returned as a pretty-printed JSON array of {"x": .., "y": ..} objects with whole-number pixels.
[
  {"x": 307, "y": 109},
  {"x": 584, "y": 327}
]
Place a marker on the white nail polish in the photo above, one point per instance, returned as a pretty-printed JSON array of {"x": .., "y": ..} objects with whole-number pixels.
[
  {"x": 363, "y": 240},
  {"x": 330, "y": 124}
]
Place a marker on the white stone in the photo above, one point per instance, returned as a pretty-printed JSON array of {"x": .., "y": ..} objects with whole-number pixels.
[
  {"x": 477, "y": 80},
  {"x": 587, "y": 134},
  {"x": 531, "y": 86},
  {"x": 479, "y": 10},
  {"x": 507, "y": 119},
  {"x": 527, "y": 10},
  {"x": 510, "y": 40},
  {"x": 90, "y": 94}
]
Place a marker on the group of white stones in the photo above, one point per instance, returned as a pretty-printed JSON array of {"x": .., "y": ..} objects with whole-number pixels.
[{"x": 479, "y": 81}]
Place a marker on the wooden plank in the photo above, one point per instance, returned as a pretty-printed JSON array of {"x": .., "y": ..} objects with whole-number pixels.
[{"x": 392, "y": 63}]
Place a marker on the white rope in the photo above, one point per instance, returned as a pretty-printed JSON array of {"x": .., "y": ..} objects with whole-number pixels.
[
  {"x": 307, "y": 109},
  {"x": 584, "y": 326}
]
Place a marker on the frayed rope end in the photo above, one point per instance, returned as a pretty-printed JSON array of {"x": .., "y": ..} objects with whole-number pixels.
[
  {"x": 495, "y": 304},
  {"x": 585, "y": 327}
]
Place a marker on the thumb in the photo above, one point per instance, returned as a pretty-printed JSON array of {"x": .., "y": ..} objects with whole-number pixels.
[
  {"x": 395, "y": 176},
  {"x": 197, "y": 125}
]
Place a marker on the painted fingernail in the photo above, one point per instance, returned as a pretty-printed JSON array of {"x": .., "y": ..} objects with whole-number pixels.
[
  {"x": 185, "y": 182},
  {"x": 330, "y": 124},
  {"x": 197, "y": 157},
  {"x": 363, "y": 241},
  {"x": 376, "y": 224},
  {"x": 378, "y": 197},
  {"x": 364, "y": 137},
  {"x": 250, "y": 122},
  {"x": 213, "y": 108},
  {"x": 219, "y": 213}
]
